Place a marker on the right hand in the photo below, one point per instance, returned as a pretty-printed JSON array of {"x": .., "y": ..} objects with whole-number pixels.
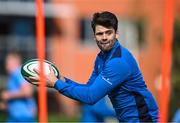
[
  {"x": 2, "y": 101},
  {"x": 50, "y": 78},
  {"x": 2, "y": 106}
]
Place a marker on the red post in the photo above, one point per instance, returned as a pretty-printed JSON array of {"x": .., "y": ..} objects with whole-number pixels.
[
  {"x": 40, "y": 37},
  {"x": 166, "y": 59}
]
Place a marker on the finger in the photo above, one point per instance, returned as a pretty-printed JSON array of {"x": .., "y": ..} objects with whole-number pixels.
[
  {"x": 35, "y": 83},
  {"x": 51, "y": 69},
  {"x": 36, "y": 71},
  {"x": 33, "y": 78},
  {"x": 32, "y": 81},
  {"x": 28, "y": 79}
]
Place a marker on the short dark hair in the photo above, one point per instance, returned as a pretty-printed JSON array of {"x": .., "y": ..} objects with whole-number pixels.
[{"x": 106, "y": 19}]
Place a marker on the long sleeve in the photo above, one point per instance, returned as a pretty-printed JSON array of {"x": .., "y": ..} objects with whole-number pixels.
[{"x": 114, "y": 72}]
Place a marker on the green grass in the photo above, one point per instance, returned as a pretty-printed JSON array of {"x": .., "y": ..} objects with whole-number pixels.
[
  {"x": 61, "y": 118},
  {"x": 2, "y": 116},
  {"x": 52, "y": 117}
]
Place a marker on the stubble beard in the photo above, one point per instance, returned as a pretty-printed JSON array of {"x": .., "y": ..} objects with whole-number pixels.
[{"x": 106, "y": 47}]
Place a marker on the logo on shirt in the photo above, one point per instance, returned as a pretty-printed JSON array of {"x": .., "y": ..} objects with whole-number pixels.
[{"x": 107, "y": 80}]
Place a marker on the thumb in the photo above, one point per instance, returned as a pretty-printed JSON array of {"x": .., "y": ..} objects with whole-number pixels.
[{"x": 51, "y": 69}]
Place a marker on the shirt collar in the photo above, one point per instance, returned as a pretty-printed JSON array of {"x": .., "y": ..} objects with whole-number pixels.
[{"x": 105, "y": 56}]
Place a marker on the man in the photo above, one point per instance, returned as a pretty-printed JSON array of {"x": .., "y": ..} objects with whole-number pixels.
[
  {"x": 115, "y": 74},
  {"x": 18, "y": 96},
  {"x": 98, "y": 112}
]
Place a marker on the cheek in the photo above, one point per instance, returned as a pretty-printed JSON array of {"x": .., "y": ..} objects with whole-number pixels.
[
  {"x": 97, "y": 38},
  {"x": 112, "y": 38}
]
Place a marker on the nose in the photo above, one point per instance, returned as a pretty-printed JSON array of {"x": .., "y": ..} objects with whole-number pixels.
[{"x": 104, "y": 37}]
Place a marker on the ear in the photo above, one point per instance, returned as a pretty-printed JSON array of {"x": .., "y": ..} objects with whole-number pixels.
[
  {"x": 94, "y": 37},
  {"x": 117, "y": 34}
]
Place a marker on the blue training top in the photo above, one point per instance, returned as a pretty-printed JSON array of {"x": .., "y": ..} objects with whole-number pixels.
[
  {"x": 117, "y": 74},
  {"x": 21, "y": 109}
]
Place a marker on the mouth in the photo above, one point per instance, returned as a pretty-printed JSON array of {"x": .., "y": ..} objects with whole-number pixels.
[
  {"x": 105, "y": 43},
  {"x": 104, "y": 46}
]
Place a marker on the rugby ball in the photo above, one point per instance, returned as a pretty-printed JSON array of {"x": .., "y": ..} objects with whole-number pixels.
[{"x": 27, "y": 68}]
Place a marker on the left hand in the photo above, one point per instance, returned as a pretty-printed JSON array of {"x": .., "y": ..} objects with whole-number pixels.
[{"x": 50, "y": 78}]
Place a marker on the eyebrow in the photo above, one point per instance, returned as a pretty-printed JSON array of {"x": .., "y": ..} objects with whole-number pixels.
[{"x": 107, "y": 31}]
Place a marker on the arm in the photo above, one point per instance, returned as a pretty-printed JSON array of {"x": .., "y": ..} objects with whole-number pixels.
[
  {"x": 23, "y": 88},
  {"x": 51, "y": 78},
  {"x": 115, "y": 72},
  {"x": 24, "y": 92}
]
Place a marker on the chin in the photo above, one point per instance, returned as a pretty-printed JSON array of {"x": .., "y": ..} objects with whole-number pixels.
[{"x": 106, "y": 50}]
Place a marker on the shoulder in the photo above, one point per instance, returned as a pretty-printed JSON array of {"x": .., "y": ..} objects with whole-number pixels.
[
  {"x": 116, "y": 68},
  {"x": 117, "y": 57},
  {"x": 118, "y": 65},
  {"x": 120, "y": 52},
  {"x": 117, "y": 53},
  {"x": 117, "y": 62}
]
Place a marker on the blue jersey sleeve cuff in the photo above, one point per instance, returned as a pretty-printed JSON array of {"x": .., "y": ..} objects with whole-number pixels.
[
  {"x": 67, "y": 80},
  {"x": 59, "y": 85}
]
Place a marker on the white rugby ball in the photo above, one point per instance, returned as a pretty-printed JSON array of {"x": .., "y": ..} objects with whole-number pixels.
[{"x": 27, "y": 68}]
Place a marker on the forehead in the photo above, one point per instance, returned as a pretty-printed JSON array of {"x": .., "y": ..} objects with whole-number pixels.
[{"x": 100, "y": 28}]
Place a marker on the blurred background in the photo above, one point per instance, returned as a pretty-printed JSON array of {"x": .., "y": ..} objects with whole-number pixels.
[{"x": 70, "y": 44}]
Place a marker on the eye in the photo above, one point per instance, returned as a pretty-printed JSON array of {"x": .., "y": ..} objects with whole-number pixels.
[
  {"x": 99, "y": 33},
  {"x": 109, "y": 32}
]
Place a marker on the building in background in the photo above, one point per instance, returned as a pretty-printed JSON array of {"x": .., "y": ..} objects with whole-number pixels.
[{"x": 69, "y": 41}]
